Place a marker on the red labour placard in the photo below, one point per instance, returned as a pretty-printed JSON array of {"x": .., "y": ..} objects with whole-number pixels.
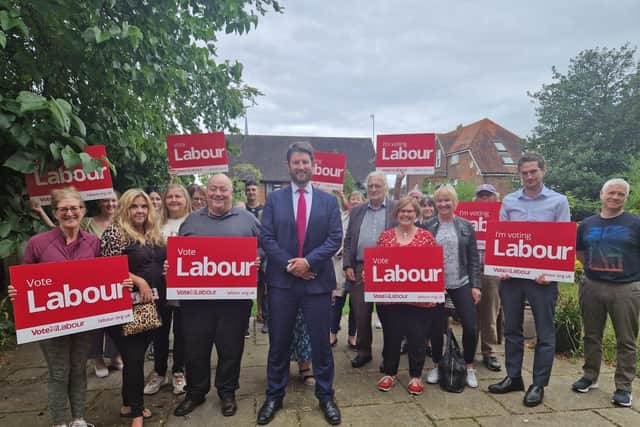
[
  {"x": 212, "y": 268},
  {"x": 328, "y": 170},
  {"x": 197, "y": 153},
  {"x": 531, "y": 249},
  {"x": 410, "y": 153},
  {"x": 404, "y": 274},
  {"x": 92, "y": 186},
  {"x": 63, "y": 298},
  {"x": 480, "y": 214}
]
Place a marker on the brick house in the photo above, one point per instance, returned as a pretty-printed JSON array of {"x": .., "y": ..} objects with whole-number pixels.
[
  {"x": 267, "y": 153},
  {"x": 480, "y": 153}
]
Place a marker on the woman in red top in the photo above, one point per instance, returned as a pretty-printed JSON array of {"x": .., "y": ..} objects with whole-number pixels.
[{"x": 412, "y": 320}]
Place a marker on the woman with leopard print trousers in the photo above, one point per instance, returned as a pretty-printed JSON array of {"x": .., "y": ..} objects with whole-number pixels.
[{"x": 136, "y": 233}]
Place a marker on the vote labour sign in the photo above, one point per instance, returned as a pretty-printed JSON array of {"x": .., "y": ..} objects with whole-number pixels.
[
  {"x": 479, "y": 214},
  {"x": 64, "y": 298},
  {"x": 212, "y": 267},
  {"x": 404, "y": 274},
  {"x": 410, "y": 153},
  {"x": 328, "y": 170},
  {"x": 531, "y": 249},
  {"x": 91, "y": 185},
  {"x": 197, "y": 153}
]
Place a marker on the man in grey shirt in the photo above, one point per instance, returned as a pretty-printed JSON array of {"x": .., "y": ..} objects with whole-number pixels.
[
  {"x": 222, "y": 322},
  {"x": 366, "y": 223}
]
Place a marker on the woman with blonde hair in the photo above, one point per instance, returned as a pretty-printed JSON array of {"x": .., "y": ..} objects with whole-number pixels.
[
  {"x": 176, "y": 208},
  {"x": 66, "y": 356},
  {"x": 461, "y": 276},
  {"x": 136, "y": 234}
]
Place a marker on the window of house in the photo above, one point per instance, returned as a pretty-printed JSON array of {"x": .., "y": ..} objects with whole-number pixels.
[
  {"x": 507, "y": 160},
  {"x": 438, "y": 158},
  {"x": 499, "y": 146},
  {"x": 455, "y": 159}
]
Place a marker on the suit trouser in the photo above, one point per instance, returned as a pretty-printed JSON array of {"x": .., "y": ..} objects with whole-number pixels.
[
  {"x": 488, "y": 311},
  {"x": 316, "y": 310},
  {"x": 363, "y": 312},
  {"x": 542, "y": 299},
  {"x": 621, "y": 301},
  {"x": 209, "y": 322}
]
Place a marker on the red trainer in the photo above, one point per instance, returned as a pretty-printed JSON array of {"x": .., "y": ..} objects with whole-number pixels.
[
  {"x": 386, "y": 383},
  {"x": 415, "y": 387}
]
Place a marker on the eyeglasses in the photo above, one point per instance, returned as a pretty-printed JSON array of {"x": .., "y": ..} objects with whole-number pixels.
[{"x": 72, "y": 209}]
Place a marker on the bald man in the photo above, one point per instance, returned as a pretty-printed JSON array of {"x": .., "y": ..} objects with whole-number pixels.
[{"x": 222, "y": 322}]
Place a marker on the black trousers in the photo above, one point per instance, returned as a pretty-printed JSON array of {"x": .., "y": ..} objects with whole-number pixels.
[
  {"x": 466, "y": 310},
  {"x": 209, "y": 322},
  {"x": 416, "y": 323},
  {"x": 132, "y": 349},
  {"x": 161, "y": 339}
]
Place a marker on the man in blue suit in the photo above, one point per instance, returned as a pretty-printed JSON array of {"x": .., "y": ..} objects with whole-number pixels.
[{"x": 301, "y": 231}]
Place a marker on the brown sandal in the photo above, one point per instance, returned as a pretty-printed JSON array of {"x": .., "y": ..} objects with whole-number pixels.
[
  {"x": 307, "y": 377},
  {"x": 146, "y": 414}
]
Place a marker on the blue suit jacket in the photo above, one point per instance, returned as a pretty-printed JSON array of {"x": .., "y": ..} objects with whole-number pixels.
[{"x": 279, "y": 238}]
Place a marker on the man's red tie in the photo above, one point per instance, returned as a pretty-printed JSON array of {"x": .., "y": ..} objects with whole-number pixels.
[{"x": 301, "y": 220}]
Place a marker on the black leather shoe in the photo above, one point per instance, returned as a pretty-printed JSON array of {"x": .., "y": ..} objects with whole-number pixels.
[
  {"x": 507, "y": 385},
  {"x": 360, "y": 361},
  {"x": 534, "y": 395},
  {"x": 187, "y": 406},
  {"x": 268, "y": 410},
  {"x": 229, "y": 406},
  {"x": 492, "y": 363},
  {"x": 331, "y": 412}
]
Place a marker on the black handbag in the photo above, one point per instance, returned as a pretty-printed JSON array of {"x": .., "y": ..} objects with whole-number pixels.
[{"x": 452, "y": 368}]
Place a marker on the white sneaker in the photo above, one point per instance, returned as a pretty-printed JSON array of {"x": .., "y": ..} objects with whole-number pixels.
[
  {"x": 80, "y": 423},
  {"x": 434, "y": 376},
  {"x": 154, "y": 383},
  {"x": 101, "y": 368},
  {"x": 178, "y": 383},
  {"x": 472, "y": 381}
]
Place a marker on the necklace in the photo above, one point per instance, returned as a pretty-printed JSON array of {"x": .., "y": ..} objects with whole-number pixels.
[{"x": 405, "y": 234}]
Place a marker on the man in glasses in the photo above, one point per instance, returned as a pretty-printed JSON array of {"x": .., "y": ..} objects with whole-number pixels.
[
  {"x": 367, "y": 221},
  {"x": 533, "y": 202}
]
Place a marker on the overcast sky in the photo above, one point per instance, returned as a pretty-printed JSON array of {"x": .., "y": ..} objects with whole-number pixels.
[{"x": 324, "y": 66}]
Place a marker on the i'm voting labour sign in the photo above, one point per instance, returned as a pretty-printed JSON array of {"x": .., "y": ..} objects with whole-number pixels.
[
  {"x": 63, "y": 298},
  {"x": 479, "y": 214},
  {"x": 197, "y": 153},
  {"x": 531, "y": 249},
  {"x": 409, "y": 153}
]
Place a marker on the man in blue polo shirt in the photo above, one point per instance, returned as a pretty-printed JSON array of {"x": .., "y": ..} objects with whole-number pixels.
[{"x": 533, "y": 202}]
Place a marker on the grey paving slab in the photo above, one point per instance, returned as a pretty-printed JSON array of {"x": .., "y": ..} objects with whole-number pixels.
[
  {"x": 392, "y": 415},
  {"x": 621, "y": 416},
  {"x": 23, "y": 397},
  {"x": 511, "y": 402},
  {"x": 24, "y": 419},
  {"x": 27, "y": 375},
  {"x": 441, "y": 405},
  {"x": 208, "y": 414},
  {"x": 361, "y": 389},
  {"x": 464, "y": 422},
  {"x": 560, "y": 397},
  {"x": 560, "y": 419}
]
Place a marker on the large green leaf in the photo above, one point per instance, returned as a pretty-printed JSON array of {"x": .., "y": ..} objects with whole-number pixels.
[
  {"x": 89, "y": 164},
  {"x": 7, "y": 248},
  {"x": 79, "y": 124},
  {"x": 3, "y": 39},
  {"x": 5, "y": 228},
  {"x": 59, "y": 114},
  {"x": 70, "y": 157},
  {"x": 22, "y": 161},
  {"x": 30, "y": 101}
]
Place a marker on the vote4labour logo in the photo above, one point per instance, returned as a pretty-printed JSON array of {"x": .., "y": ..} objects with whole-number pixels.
[
  {"x": 197, "y": 153},
  {"x": 328, "y": 170},
  {"x": 404, "y": 274},
  {"x": 212, "y": 268},
  {"x": 409, "y": 153},
  {"x": 479, "y": 214},
  {"x": 531, "y": 249},
  {"x": 91, "y": 185},
  {"x": 63, "y": 298}
]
